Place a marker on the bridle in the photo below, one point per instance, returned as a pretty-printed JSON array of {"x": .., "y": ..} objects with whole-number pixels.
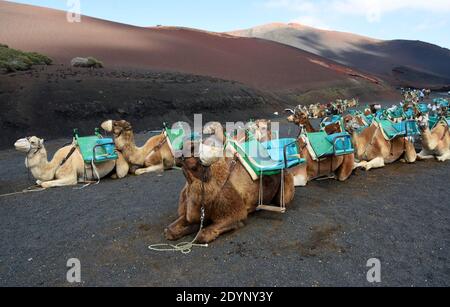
[{"x": 36, "y": 150}]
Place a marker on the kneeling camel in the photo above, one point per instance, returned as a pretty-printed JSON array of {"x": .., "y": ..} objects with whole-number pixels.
[
  {"x": 154, "y": 156},
  {"x": 67, "y": 166},
  {"x": 226, "y": 191},
  {"x": 373, "y": 150}
]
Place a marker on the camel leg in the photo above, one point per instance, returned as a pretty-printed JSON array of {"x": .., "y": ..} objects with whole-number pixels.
[
  {"x": 410, "y": 153},
  {"x": 444, "y": 157},
  {"x": 346, "y": 168},
  {"x": 425, "y": 155},
  {"x": 300, "y": 176},
  {"x": 212, "y": 232},
  {"x": 375, "y": 163},
  {"x": 67, "y": 181},
  {"x": 122, "y": 168},
  {"x": 361, "y": 164},
  {"x": 151, "y": 169},
  {"x": 180, "y": 228}
]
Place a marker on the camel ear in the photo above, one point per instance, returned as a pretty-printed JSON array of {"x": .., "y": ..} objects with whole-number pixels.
[{"x": 289, "y": 111}]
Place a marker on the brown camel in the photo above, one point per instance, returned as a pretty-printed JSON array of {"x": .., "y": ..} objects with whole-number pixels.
[
  {"x": 154, "y": 156},
  {"x": 227, "y": 193},
  {"x": 372, "y": 148},
  {"x": 341, "y": 166},
  {"x": 301, "y": 118}
]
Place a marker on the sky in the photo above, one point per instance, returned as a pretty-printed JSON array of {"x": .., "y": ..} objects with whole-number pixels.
[{"x": 425, "y": 20}]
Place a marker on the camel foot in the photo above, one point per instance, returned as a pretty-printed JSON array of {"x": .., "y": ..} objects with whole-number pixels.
[
  {"x": 175, "y": 233},
  {"x": 443, "y": 158},
  {"x": 300, "y": 181},
  {"x": 362, "y": 164},
  {"x": 170, "y": 236},
  {"x": 207, "y": 236},
  {"x": 422, "y": 158},
  {"x": 151, "y": 169}
]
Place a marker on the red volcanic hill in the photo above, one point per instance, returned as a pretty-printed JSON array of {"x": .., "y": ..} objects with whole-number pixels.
[
  {"x": 259, "y": 63},
  {"x": 400, "y": 62}
]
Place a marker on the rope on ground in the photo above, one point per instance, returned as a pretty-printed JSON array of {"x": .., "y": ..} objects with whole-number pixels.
[
  {"x": 183, "y": 247},
  {"x": 31, "y": 189}
]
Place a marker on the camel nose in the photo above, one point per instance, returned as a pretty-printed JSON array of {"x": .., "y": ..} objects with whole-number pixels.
[
  {"x": 107, "y": 126},
  {"x": 22, "y": 145}
]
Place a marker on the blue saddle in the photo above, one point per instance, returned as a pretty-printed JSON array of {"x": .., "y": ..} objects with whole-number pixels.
[
  {"x": 423, "y": 108},
  {"x": 403, "y": 129},
  {"x": 96, "y": 149},
  {"x": 269, "y": 158},
  {"x": 325, "y": 145}
]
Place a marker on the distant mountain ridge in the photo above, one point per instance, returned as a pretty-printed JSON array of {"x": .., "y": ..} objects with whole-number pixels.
[
  {"x": 259, "y": 63},
  {"x": 421, "y": 63}
]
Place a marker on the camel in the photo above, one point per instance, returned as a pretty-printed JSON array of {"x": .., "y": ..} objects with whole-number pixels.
[
  {"x": 372, "y": 148},
  {"x": 341, "y": 166},
  {"x": 67, "y": 166},
  {"x": 262, "y": 130},
  {"x": 436, "y": 142},
  {"x": 154, "y": 156},
  {"x": 226, "y": 191},
  {"x": 300, "y": 118}
]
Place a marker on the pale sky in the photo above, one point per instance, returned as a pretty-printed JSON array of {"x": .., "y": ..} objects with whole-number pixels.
[{"x": 425, "y": 20}]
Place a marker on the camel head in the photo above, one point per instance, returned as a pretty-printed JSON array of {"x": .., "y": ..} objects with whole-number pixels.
[
  {"x": 299, "y": 116},
  {"x": 215, "y": 133},
  {"x": 117, "y": 127},
  {"x": 29, "y": 144},
  {"x": 291, "y": 113},
  {"x": 352, "y": 123},
  {"x": 261, "y": 129},
  {"x": 423, "y": 122},
  {"x": 195, "y": 164}
]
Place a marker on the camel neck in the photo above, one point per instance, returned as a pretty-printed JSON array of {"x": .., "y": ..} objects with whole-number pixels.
[
  {"x": 39, "y": 166},
  {"x": 129, "y": 148},
  {"x": 309, "y": 128}
]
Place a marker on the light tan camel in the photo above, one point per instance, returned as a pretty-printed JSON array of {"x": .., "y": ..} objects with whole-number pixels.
[
  {"x": 67, "y": 166},
  {"x": 154, "y": 156},
  {"x": 372, "y": 148},
  {"x": 436, "y": 142}
]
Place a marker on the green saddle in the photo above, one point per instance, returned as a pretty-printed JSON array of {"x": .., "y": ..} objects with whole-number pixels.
[
  {"x": 268, "y": 158},
  {"x": 324, "y": 145},
  {"x": 176, "y": 137},
  {"x": 95, "y": 148},
  {"x": 403, "y": 129}
]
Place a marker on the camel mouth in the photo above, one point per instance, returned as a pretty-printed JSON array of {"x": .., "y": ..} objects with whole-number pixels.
[
  {"x": 107, "y": 126},
  {"x": 210, "y": 154},
  {"x": 22, "y": 145}
]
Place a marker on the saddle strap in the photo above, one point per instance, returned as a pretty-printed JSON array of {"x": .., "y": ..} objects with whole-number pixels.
[
  {"x": 157, "y": 147},
  {"x": 68, "y": 156}
]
